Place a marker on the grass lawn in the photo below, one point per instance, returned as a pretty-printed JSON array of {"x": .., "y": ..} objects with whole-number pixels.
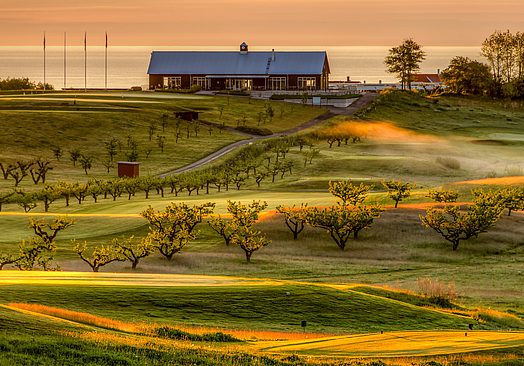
[{"x": 34, "y": 124}]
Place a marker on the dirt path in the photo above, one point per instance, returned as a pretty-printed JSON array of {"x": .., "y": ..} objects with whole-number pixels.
[{"x": 333, "y": 111}]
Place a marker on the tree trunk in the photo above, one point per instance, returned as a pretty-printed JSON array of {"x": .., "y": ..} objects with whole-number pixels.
[{"x": 248, "y": 256}]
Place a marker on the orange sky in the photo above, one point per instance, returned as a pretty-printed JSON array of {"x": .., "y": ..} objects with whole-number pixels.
[{"x": 262, "y": 22}]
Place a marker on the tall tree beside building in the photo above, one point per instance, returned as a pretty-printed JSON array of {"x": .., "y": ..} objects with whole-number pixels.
[
  {"x": 464, "y": 76},
  {"x": 404, "y": 61}
]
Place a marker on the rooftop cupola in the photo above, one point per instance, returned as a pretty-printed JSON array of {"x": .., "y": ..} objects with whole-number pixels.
[{"x": 243, "y": 48}]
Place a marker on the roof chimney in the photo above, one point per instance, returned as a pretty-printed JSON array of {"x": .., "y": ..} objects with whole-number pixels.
[
  {"x": 273, "y": 55},
  {"x": 438, "y": 72}
]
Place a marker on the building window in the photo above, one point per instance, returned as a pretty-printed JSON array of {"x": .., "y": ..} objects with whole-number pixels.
[
  {"x": 172, "y": 82},
  {"x": 307, "y": 83},
  {"x": 202, "y": 81},
  {"x": 278, "y": 83},
  {"x": 239, "y": 84}
]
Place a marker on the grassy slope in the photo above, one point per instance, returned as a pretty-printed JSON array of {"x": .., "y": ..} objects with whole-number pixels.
[
  {"x": 248, "y": 307},
  {"x": 31, "y": 127}
]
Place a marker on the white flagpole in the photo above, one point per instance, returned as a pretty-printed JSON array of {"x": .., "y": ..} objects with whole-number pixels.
[
  {"x": 65, "y": 64},
  {"x": 44, "y": 61},
  {"x": 106, "y": 63},
  {"x": 85, "y": 62}
]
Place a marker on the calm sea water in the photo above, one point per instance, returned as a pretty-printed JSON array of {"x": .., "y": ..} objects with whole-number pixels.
[{"x": 127, "y": 66}]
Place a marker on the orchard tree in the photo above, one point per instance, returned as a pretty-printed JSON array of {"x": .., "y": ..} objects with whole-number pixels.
[
  {"x": 100, "y": 256},
  {"x": 348, "y": 193},
  {"x": 295, "y": 218},
  {"x": 111, "y": 148},
  {"x": 404, "y": 61},
  {"x": 511, "y": 198},
  {"x": 40, "y": 250},
  {"x": 224, "y": 228},
  {"x": 250, "y": 241},
  {"x": 57, "y": 152},
  {"x": 455, "y": 226},
  {"x": 7, "y": 259},
  {"x": 398, "y": 191},
  {"x": 48, "y": 195},
  {"x": 86, "y": 162},
  {"x": 26, "y": 200},
  {"x": 342, "y": 221},
  {"x": 41, "y": 169},
  {"x": 443, "y": 195},
  {"x": 133, "y": 252},
  {"x": 74, "y": 155},
  {"x": 5, "y": 198},
  {"x": 173, "y": 228}
]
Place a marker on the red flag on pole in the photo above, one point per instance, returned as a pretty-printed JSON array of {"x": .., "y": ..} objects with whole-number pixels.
[
  {"x": 85, "y": 41},
  {"x": 106, "y": 39},
  {"x": 44, "y": 41}
]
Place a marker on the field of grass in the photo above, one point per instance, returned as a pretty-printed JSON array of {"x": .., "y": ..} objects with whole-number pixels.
[
  {"x": 408, "y": 135},
  {"x": 33, "y": 124}
]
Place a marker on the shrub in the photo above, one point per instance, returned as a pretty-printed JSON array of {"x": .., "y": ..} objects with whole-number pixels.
[
  {"x": 173, "y": 333},
  {"x": 234, "y": 92},
  {"x": 513, "y": 171},
  {"x": 451, "y": 163},
  {"x": 195, "y": 88},
  {"x": 259, "y": 131},
  {"x": 437, "y": 291}
]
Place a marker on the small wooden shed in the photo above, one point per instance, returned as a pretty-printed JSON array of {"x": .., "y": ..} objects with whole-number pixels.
[
  {"x": 188, "y": 115},
  {"x": 128, "y": 169}
]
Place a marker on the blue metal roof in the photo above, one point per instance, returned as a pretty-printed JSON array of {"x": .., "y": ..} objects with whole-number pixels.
[{"x": 234, "y": 63}]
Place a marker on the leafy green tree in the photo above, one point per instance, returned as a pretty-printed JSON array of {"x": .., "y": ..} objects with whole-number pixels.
[
  {"x": 498, "y": 50},
  {"x": 111, "y": 148},
  {"x": 132, "y": 252},
  {"x": 96, "y": 188},
  {"x": 40, "y": 250},
  {"x": 57, "y": 152},
  {"x": 6, "y": 259},
  {"x": 131, "y": 186},
  {"x": 115, "y": 187},
  {"x": 147, "y": 183},
  {"x": 304, "y": 98},
  {"x": 151, "y": 129},
  {"x": 66, "y": 189},
  {"x": 80, "y": 191},
  {"x": 172, "y": 229},
  {"x": 443, "y": 195},
  {"x": 26, "y": 200},
  {"x": 404, "y": 61},
  {"x": 86, "y": 162},
  {"x": 295, "y": 218},
  {"x": 250, "y": 241},
  {"x": 224, "y": 228},
  {"x": 464, "y": 76},
  {"x": 342, "y": 221},
  {"x": 74, "y": 155},
  {"x": 161, "y": 140},
  {"x": 398, "y": 191},
  {"x": 245, "y": 215},
  {"x": 5, "y": 198},
  {"x": 348, "y": 193},
  {"x": 164, "y": 120},
  {"x": 511, "y": 198},
  {"x": 455, "y": 226},
  {"x": 48, "y": 195},
  {"x": 100, "y": 256}
]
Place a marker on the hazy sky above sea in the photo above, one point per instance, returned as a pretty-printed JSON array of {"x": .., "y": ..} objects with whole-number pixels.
[{"x": 262, "y": 22}]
